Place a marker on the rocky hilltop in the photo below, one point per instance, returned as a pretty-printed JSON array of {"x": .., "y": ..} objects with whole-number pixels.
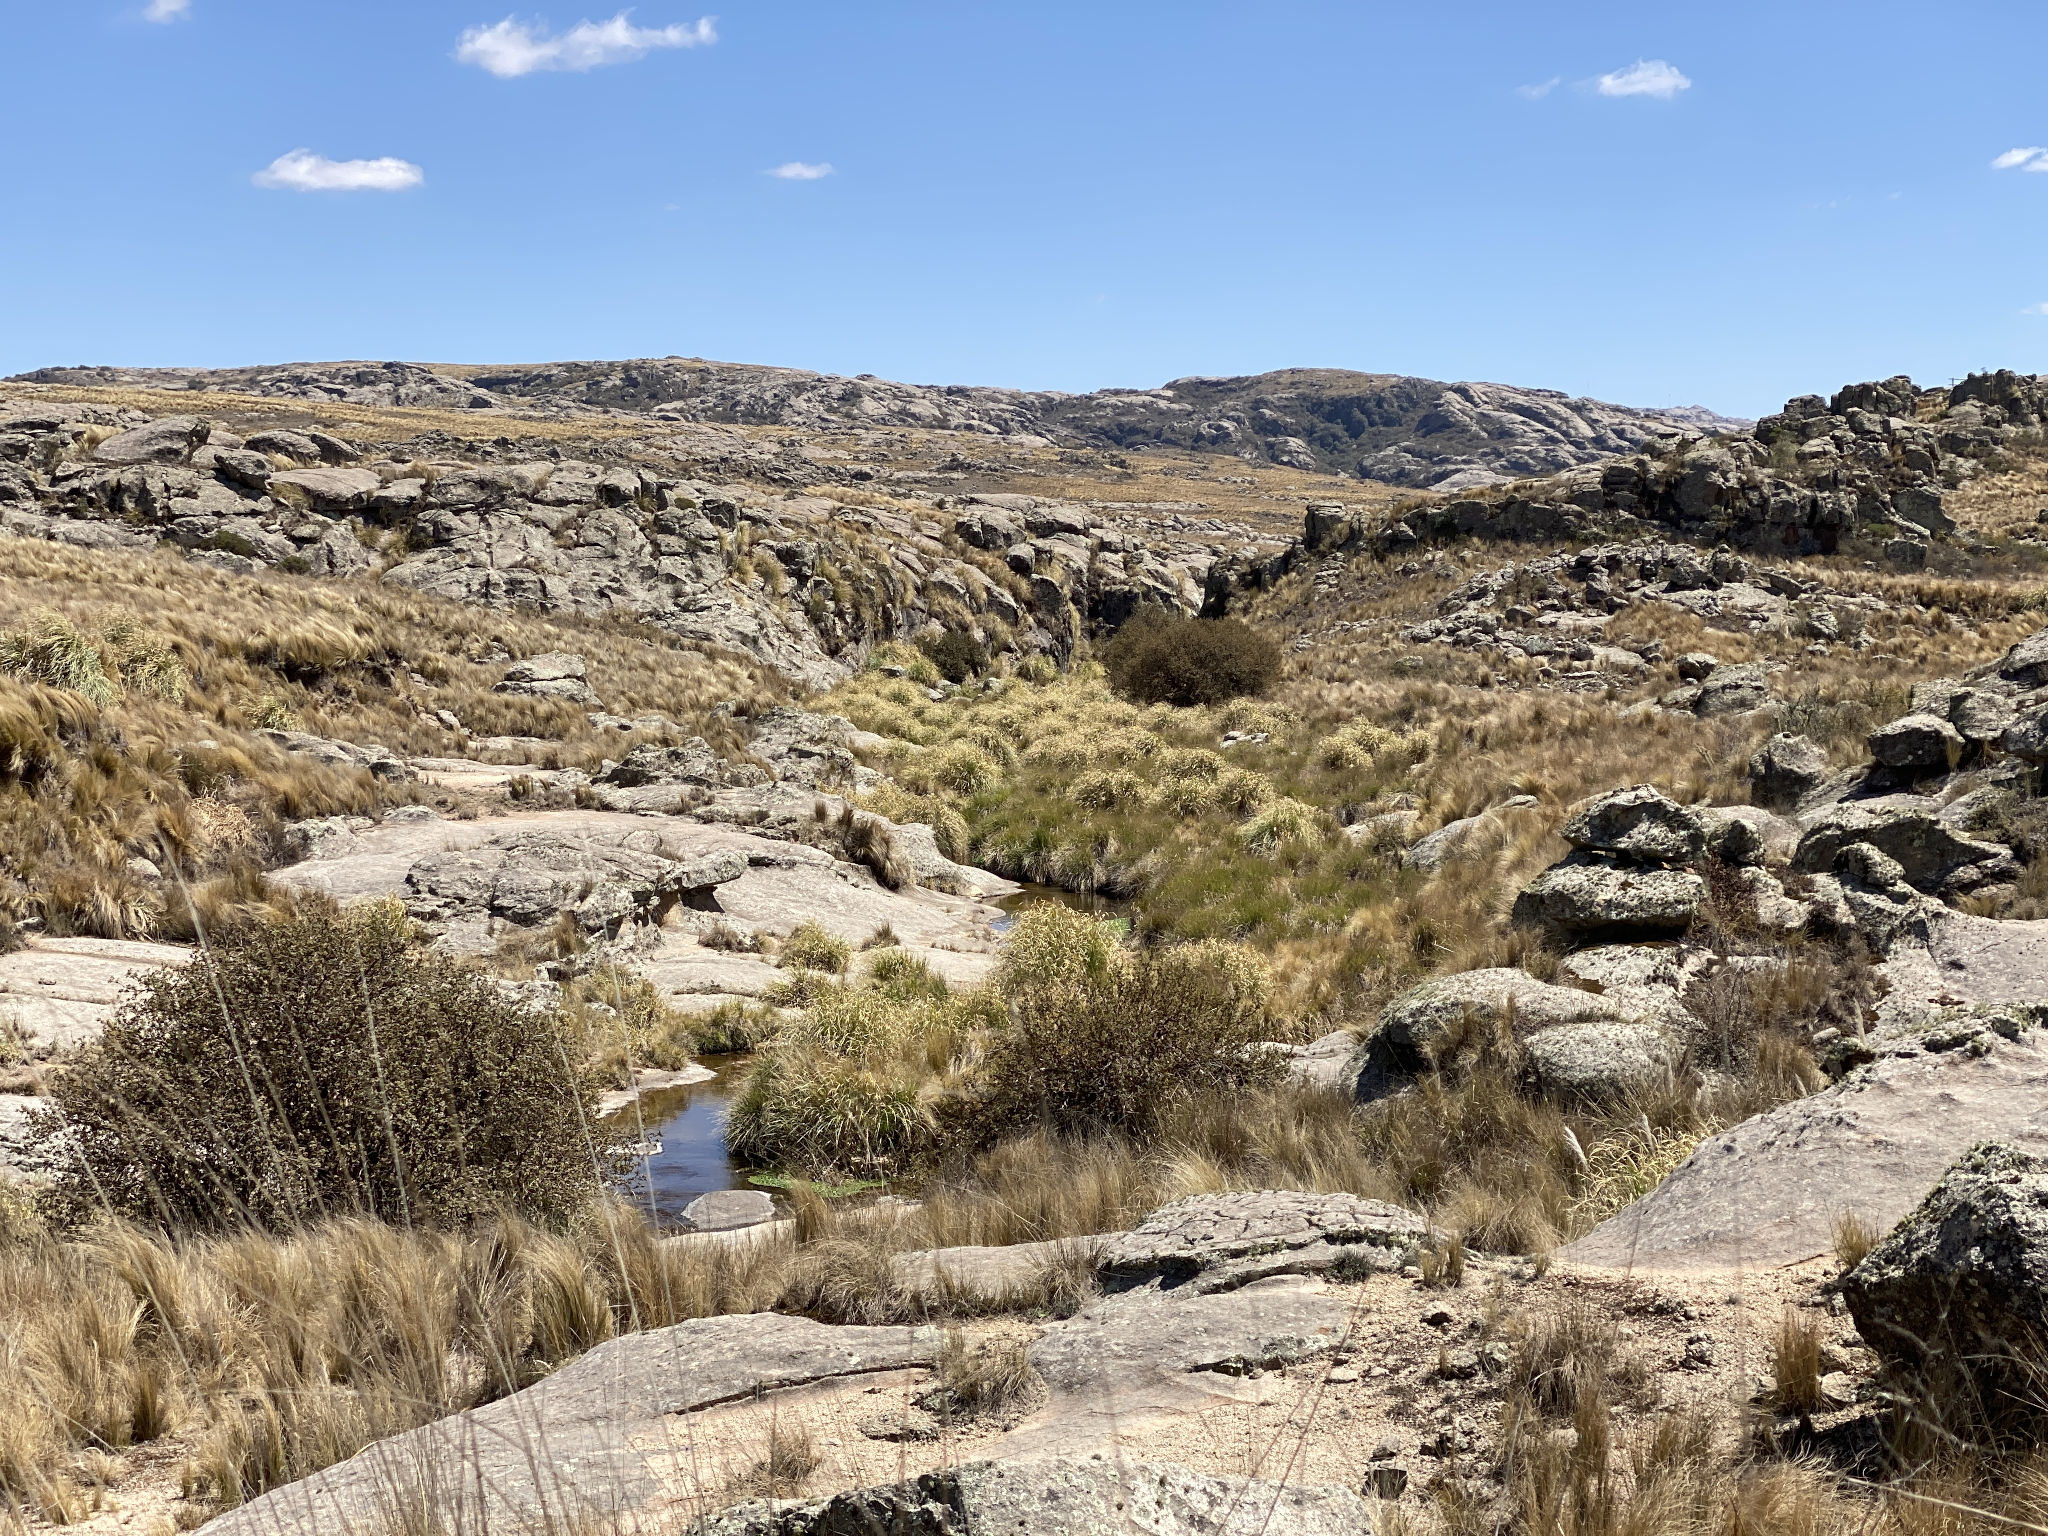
[{"x": 1386, "y": 427}]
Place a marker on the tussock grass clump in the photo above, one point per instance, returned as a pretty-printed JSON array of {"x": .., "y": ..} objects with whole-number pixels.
[
  {"x": 811, "y": 948},
  {"x": 321, "y": 1067}
]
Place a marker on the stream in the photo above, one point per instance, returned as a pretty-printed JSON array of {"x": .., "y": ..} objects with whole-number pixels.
[{"x": 684, "y": 1132}]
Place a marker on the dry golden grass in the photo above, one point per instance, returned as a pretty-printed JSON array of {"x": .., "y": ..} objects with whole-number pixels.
[
  {"x": 265, "y": 1358},
  {"x": 86, "y": 788}
]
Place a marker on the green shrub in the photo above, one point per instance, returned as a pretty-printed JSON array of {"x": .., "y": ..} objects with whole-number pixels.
[
  {"x": 1120, "y": 1051},
  {"x": 811, "y": 948},
  {"x": 322, "y": 1067},
  {"x": 1159, "y": 658},
  {"x": 956, "y": 653}
]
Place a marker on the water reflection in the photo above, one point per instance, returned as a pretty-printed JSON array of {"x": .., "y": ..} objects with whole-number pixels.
[{"x": 684, "y": 1134}]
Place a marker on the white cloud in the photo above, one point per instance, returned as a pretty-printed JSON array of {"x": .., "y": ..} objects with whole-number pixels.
[
  {"x": 2034, "y": 159},
  {"x": 304, "y": 171},
  {"x": 512, "y": 47},
  {"x": 167, "y": 10},
  {"x": 1645, "y": 77},
  {"x": 1540, "y": 90},
  {"x": 2035, "y": 309},
  {"x": 799, "y": 170}
]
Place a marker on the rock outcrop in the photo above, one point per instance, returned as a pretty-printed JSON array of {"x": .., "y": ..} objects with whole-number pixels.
[
  {"x": 1962, "y": 1281},
  {"x": 1878, "y": 459},
  {"x": 1211, "y": 1243},
  {"x": 1406, "y": 431},
  {"x": 1625, "y": 876}
]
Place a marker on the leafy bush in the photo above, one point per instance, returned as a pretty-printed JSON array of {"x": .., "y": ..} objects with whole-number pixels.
[
  {"x": 1159, "y": 658},
  {"x": 322, "y": 1067},
  {"x": 956, "y": 653},
  {"x": 1116, "y": 1049},
  {"x": 811, "y": 948}
]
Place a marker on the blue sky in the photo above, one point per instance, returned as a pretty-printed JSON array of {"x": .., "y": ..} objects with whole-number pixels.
[{"x": 1059, "y": 196}]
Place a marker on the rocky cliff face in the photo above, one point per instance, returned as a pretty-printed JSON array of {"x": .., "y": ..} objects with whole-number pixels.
[
  {"x": 1404, "y": 431},
  {"x": 1878, "y": 459},
  {"x": 803, "y": 583}
]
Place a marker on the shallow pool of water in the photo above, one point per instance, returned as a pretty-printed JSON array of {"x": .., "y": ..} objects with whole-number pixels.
[
  {"x": 682, "y": 1132},
  {"x": 1032, "y": 895}
]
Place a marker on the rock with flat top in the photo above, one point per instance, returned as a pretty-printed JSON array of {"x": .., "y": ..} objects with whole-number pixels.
[
  {"x": 2027, "y": 663},
  {"x": 332, "y": 491},
  {"x": 1219, "y": 1242},
  {"x": 1785, "y": 768},
  {"x": 724, "y": 1210},
  {"x": 1926, "y": 743},
  {"x": 1600, "y": 1061},
  {"x": 1586, "y": 895},
  {"x": 167, "y": 440},
  {"x": 1427, "y": 1021},
  {"x": 1933, "y": 857},
  {"x": 1639, "y": 823},
  {"x": 552, "y": 675},
  {"x": 587, "y": 1444}
]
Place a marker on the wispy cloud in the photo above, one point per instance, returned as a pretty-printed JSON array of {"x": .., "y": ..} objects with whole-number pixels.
[
  {"x": 802, "y": 170},
  {"x": 2034, "y": 159},
  {"x": 166, "y": 10},
  {"x": 304, "y": 171},
  {"x": 2035, "y": 309},
  {"x": 1645, "y": 77},
  {"x": 1539, "y": 90},
  {"x": 511, "y": 48}
]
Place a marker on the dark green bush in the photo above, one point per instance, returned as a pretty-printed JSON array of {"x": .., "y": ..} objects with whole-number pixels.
[
  {"x": 956, "y": 653},
  {"x": 323, "y": 1067},
  {"x": 1116, "y": 1050},
  {"x": 1162, "y": 658}
]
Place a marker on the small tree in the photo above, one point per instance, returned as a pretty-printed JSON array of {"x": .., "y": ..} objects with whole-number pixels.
[
  {"x": 1162, "y": 658},
  {"x": 322, "y": 1066}
]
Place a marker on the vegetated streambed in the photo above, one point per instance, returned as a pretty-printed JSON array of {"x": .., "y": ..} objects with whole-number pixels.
[{"x": 682, "y": 1131}]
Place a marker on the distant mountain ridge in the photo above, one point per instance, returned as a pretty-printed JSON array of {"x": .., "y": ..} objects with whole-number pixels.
[{"x": 1388, "y": 427}]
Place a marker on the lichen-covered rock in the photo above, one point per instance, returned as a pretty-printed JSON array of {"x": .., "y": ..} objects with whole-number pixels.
[
  {"x": 1427, "y": 1021},
  {"x": 1963, "y": 1280},
  {"x": 1584, "y": 895},
  {"x": 603, "y": 883},
  {"x": 1638, "y": 823},
  {"x": 1932, "y": 857},
  {"x": 1924, "y": 742},
  {"x": 2027, "y": 737},
  {"x": 167, "y": 440},
  {"x": 1785, "y": 768},
  {"x": 1746, "y": 836},
  {"x": 2027, "y": 663},
  {"x": 552, "y": 675},
  {"x": 1600, "y": 1061},
  {"x": 1733, "y": 691},
  {"x": 1219, "y": 1242},
  {"x": 379, "y": 761}
]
